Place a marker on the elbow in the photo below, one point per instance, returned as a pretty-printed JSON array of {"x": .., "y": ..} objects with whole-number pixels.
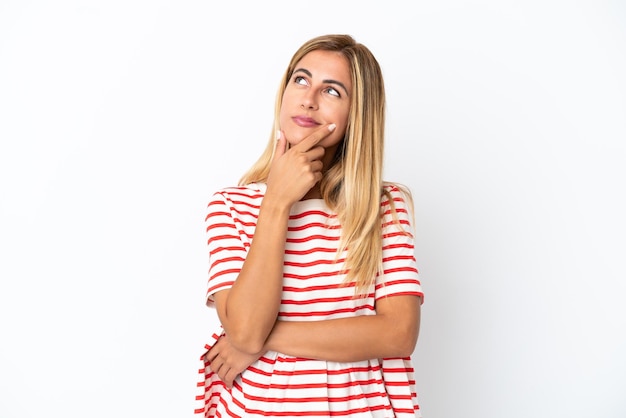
[
  {"x": 401, "y": 324},
  {"x": 403, "y": 341},
  {"x": 409, "y": 347},
  {"x": 405, "y": 346},
  {"x": 248, "y": 336},
  {"x": 246, "y": 342},
  {"x": 244, "y": 334}
]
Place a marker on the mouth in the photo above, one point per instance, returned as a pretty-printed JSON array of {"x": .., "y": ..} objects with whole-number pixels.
[{"x": 305, "y": 121}]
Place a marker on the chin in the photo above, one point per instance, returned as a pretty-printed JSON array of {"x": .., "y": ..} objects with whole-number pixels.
[{"x": 294, "y": 138}]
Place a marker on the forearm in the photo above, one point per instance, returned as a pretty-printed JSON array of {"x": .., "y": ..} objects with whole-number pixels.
[
  {"x": 251, "y": 306},
  {"x": 248, "y": 310},
  {"x": 347, "y": 339}
]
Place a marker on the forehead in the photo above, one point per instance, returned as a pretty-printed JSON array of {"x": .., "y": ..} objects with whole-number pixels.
[{"x": 327, "y": 65}]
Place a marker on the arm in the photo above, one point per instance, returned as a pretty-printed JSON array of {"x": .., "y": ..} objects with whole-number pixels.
[
  {"x": 248, "y": 310},
  {"x": 392, "y": 332}
]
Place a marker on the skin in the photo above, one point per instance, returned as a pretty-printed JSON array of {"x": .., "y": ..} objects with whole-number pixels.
[
  {"x": 320, "y": 89},
  {"x": 313, "y": 118},
  {"x": 317, "y": 94}
]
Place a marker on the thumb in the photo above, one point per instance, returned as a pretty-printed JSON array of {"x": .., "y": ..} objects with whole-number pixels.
[{"x": 281, "y": 145}]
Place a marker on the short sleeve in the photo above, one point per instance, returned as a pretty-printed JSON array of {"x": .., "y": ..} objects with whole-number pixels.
[
  {"x": 400, "y": 275},
  {"x": 227, "y": 251}
]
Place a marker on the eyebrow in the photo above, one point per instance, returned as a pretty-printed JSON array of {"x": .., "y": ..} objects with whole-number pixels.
[{"x": 339, "y": 83}]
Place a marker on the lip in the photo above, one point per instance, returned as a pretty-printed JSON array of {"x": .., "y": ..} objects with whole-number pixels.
[{"x": 305, "y": 121}]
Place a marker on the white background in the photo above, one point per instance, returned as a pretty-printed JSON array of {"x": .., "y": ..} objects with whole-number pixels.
[{"x": 118, "y": 119}]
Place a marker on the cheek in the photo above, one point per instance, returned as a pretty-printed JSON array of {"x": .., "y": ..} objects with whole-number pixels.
[
  {"x": 283, "y": 114},
  {"x": 334, "y": 139},
  {"x": 282, "y": 117},
  {"x": 341, "y": 130},
  {"x": 342, "y": 122}
]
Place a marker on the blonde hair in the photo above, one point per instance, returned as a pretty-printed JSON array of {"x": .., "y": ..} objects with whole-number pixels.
[{"x": 353, "y": 185}]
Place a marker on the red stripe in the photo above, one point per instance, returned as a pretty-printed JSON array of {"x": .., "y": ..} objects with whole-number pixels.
[
  {"x": 394, "y": 246},
  {"x": 212, "y": 289},
  {"x": 242, "y": 191},
  {"x": 313, "y": 225},
  {"x": 226, "y": 260},
  {"x": 404, "y": 281},
  {"x": 318, "y": 398},
  {"x": 394, "y": 234},
  {"x": 251, "y": 224},
  {"x": 399, "y": 257},
  {"x": 223, "y": 272},
  {"x": 314, "y": 263},
  {"x": 214, "y": 214},
  {"x": 245, "y": 213},
  {"x": 311, "y": 288},
  {"x": 312, "y": 213},
  {"x": 246, "y": 203},
  {"x": 220, "y": 249},
  {"x": 319, "y": 413},
  {"x": 300, "y": 372},
  {"x": 398, "y": 369},
  {"x": 222, "y": 237},
  {"x": 312, "y": 385},
  {"x": 324, "y": 313},
  {"x": 227, "y": 410},
  {"x": 318, "y": 300},
  {"x": 311, "y": 238},
  {"x": 311, "y": 251},
  {"x": 397, "y": 384},
  {"x": 387, "y": 212},
  {"x": 400, "y": 269},
  {"x": 394, "y": 222},
  {"x": 220, "y": 225}
]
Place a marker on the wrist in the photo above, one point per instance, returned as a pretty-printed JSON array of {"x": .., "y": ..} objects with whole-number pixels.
[
  {"x": 272, "y": 342},
  {"x": 275, "y": 206}
]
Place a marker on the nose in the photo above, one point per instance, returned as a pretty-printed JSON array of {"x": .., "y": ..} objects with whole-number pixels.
[{"x": 309, "y": 101}]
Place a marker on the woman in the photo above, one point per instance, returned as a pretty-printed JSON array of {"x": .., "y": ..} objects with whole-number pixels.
[{"x": 312, "y": 271}]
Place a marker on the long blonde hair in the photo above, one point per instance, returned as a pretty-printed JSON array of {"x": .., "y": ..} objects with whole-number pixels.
[{"x": 353, "y": 185}]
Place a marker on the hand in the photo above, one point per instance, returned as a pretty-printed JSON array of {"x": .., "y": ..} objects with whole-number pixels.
[
  {"x": 295, "y": 171},
  {"x": 228, "y": 362}
]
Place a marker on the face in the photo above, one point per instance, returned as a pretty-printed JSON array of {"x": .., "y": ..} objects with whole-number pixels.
[{"x": 318, "y": 93}]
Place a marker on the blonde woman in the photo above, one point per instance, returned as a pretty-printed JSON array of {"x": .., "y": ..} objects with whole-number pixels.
[{"x": 311, "y": 259}]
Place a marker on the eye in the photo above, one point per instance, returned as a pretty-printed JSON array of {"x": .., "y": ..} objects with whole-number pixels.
[
  {"x": 300, "y": 80},
  {"x": 333, "y": 92}
]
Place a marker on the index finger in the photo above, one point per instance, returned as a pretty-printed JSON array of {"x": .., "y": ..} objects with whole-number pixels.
[{"x": 312, "y": 140}]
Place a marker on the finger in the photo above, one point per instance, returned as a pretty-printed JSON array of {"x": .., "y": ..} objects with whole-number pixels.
[
  {"x": 215, "y": 366},
  {"x": 214, "y": 351},
  {"x": 317, "y": 175},
  {"x": 225, "y": 375},
  {"x": 281, "y": 144},
  {"x": 315, "y": 153},
  {"x": 229, "y": 378},
  {"x": 316, "y": 166},
  {"x": 312, "y": 140},
  {"x": 210, "y": 356}
]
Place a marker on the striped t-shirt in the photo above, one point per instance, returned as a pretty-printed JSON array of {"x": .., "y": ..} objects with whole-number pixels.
[{"x": 278, "y": 385}]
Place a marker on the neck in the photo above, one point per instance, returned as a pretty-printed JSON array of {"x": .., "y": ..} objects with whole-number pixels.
[{"x": 314, "y": 193}]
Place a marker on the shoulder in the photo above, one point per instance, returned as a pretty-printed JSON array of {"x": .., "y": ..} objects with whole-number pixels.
[
  {"x": 396, "y": 194},
  {"x": 249, "y": 192},
  {"x": 237, "y": 198},
  {"x": 397, "y": 207},
  {"x": 252, "y": 190}
]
